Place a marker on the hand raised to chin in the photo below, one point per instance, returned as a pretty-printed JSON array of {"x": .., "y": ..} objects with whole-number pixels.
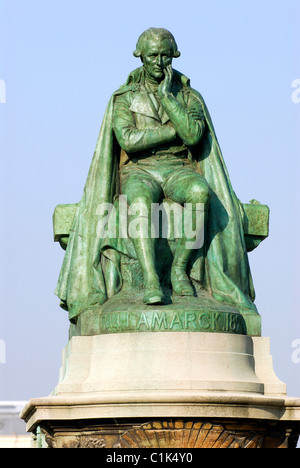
[{"x": 165, "y": 86}]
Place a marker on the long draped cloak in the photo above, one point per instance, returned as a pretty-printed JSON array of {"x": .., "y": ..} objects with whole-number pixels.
[{"x": 90, "y": 272}]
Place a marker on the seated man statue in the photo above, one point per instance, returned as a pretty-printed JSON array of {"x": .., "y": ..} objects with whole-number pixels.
[
  {"x": 157, "y": 141},
  {"x": 156, "y": 126}
]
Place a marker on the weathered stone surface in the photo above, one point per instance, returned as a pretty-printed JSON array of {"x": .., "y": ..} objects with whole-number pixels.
[
  {"x": 167, "y": 433},
  {"x": 159, "y": 362}
]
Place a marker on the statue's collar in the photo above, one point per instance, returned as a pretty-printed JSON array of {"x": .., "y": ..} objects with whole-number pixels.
[{"x": 136, "y": 79}]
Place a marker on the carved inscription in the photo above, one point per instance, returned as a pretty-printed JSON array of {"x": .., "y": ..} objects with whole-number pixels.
[{"x": 147, "y": 321}]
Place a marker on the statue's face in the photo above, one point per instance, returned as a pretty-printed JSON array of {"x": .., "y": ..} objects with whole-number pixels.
[{"x": 158, "y": 54}]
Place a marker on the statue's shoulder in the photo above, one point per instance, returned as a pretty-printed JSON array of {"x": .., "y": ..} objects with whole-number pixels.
[
  {"x": 125, "y": 95},
  {"x": 196, "y": 94},
  {"x": 183, "y": 82},
  {"x": 127, "y": 88},
  {"x": 132, "y": 83}
]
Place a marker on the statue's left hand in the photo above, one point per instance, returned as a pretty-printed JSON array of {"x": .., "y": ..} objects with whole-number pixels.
[{"x": 165, "y": 86}]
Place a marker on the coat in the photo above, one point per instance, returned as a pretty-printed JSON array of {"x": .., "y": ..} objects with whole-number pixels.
[{"x": 90, "y": 272}]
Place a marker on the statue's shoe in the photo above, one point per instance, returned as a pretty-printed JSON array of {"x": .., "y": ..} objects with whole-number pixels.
[
  {"x": 153, "y": 295},
  {"x": 180, "y": 283}
]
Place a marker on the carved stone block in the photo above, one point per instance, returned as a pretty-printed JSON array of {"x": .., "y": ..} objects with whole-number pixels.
[{"x": 168, "y": 433}]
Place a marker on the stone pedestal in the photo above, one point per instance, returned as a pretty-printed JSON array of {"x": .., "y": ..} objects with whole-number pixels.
[{"x": 167, "y": 390}]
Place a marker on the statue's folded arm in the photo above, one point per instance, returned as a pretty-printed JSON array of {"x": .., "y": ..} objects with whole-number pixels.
[
  {"x": 130, "y": 138},
  {"x": 187, "y": 127}
]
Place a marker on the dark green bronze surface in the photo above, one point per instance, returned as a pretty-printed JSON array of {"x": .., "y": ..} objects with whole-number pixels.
[{"x": 157, "y": 146}]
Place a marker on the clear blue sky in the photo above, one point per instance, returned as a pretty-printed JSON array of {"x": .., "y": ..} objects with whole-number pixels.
[{"x": 61, "y": 60}]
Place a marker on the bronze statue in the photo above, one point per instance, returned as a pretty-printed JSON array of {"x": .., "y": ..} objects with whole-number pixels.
[{"x": 156, "y": 142}]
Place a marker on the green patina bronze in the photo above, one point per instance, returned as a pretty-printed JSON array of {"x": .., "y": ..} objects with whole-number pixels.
[{"x": 157, "y": 145}]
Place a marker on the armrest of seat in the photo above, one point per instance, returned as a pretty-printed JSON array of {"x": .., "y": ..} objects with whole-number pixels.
[
  {"x": 63, "y": 218},
  {"x": 256, "y": 223}
]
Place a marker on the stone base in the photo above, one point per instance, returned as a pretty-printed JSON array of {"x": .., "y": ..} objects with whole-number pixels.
[
  {"x": 126, "y": 313},
  {"x": 166, "y": 434},
  {"x": 174, "y": 389},
  {"x": 159, "y": 362}
]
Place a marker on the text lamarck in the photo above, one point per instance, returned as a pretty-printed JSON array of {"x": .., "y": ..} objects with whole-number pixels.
[{"x": 118, "y": 458}]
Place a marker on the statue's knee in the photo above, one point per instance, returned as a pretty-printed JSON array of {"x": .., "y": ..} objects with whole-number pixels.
[
  {"x": 140, "y": 206},
  {"x": 136, "y": 194},
  {"x": 199, "y": 192}
]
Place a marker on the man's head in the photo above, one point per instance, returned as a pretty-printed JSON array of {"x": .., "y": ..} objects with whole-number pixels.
[{"x": 156, "y": 47}]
